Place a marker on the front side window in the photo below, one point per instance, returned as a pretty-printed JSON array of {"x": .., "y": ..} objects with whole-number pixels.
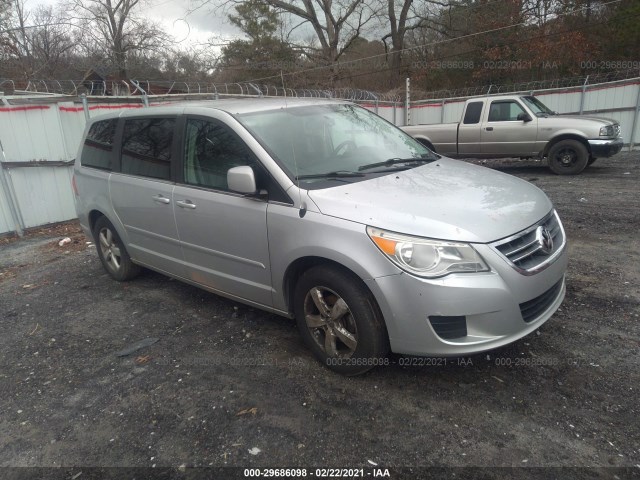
[
  {"x": 98, "y": 146},
  {"x": 146, "y": 147},
  {"x": 211, "y": 149},
  {"x": 505, "y": 111}
]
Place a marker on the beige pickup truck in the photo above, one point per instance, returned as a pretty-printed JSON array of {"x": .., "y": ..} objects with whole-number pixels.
[{"x": 522, "y": 126}]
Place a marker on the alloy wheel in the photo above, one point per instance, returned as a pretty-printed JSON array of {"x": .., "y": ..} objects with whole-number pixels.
[
  {"x": 330, "y": 322},
  {"x": 110, "y": 250}
]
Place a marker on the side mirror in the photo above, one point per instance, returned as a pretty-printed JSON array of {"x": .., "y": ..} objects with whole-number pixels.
[
  {"x": 524, "y": 117},
  {"x": 241, "y": 180}
]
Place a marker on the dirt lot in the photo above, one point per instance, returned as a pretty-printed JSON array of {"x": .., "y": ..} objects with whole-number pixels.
[{"x": 227, "y": 385}]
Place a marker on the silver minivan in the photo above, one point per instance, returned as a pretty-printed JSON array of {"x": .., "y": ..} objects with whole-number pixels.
[{"x": 323, "y": 211}]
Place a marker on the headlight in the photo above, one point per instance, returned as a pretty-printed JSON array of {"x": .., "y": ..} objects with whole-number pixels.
[
  {"x": 607, "y": 131},
  {"x": 425, "y": 257}
]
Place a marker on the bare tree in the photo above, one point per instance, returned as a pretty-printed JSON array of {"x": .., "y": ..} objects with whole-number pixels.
[
  {"x": 335, "y": 24},
  {"x": 119, "y": 29},
  {"x": 18, "y": 42},
  {"x": 399, "y": 23},
  {"x": 37, "y": 43},
  {"x": 51, "y": 41}
]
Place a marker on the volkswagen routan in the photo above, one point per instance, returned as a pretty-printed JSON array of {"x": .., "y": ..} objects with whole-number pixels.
[{"x": 322, "y": 211}]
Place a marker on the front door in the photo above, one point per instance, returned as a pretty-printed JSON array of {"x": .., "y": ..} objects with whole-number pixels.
[
  {"x": 223, "y": 234},
  {"x": 504, "y": 135}
]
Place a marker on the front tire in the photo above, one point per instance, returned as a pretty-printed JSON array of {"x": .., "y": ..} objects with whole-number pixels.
[
  {"x": 568, "y": 157},
  {"x": 112, "y": 252},
  {"x": 339, "y": 320}
]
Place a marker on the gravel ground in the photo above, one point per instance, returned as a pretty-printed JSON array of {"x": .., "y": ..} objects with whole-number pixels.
[{"x": 228, "y": 385}]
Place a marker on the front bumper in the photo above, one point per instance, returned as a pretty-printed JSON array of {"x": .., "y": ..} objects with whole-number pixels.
[
  {"x": 605, "y": 148},
  {"x": 492, "y": 305}
]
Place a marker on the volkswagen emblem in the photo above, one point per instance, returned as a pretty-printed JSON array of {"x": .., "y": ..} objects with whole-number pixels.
[{"x": 544, "y": 239}]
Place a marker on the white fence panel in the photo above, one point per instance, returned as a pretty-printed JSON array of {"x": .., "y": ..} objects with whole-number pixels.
[
  {"x": 31, "y": 133},
  {"x": 72, "y": 120},
  {"x": 6, "y": 222},
  {"x": 44, "y": 194},
  {"x": 426, "y": 113},
  {"x": 562, "y": 102},
  {"x": 453, "y": 111}
]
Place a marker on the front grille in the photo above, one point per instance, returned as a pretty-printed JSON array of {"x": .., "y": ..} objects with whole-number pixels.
[
  {"x": 449, "y": 327},
  {"x": 533, "y": 308},
  {"x": 525, "y": 251}
]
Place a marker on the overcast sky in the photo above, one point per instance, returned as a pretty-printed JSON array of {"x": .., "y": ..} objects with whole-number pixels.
[{"x": 187, "y": 27}]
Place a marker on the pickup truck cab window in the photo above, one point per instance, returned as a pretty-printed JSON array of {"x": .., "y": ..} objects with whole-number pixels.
[
  {"x": 473, "y": 113},
  {"x": 505, "y": 111},
  {"x": 146, "y": 147}
]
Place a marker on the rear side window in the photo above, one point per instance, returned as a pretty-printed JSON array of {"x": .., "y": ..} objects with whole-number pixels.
[
  {"x": 146, "y": 147},
  {"x": 98, "y": 146},
  {"x": 472, "y": 115}
]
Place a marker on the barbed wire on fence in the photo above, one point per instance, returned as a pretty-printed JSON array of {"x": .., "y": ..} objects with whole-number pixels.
[
  {"x": 120, "y": 88},
  {"x": 530, "y": 86},
  {"x": 133, "y": 87}
]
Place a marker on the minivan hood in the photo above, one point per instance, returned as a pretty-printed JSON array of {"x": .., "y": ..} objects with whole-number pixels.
[{"x": 446, "y": 199}]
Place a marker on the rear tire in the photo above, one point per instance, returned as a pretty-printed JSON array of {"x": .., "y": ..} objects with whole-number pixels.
[
  {"x": 112, "y": 252},
  {"x": 340, "y": 321},
  {"x": 568, "y": 157}
]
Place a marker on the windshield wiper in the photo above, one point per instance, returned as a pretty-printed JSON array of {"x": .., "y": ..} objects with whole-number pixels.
[
  {"x": 337, "y": 174},
  {"x": 395, "y": 161}
]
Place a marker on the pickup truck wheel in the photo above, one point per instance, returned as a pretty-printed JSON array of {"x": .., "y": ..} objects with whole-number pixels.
[
  {"x": 339, "y": 320},
  {"x": 113, "y": 255},
  {"x": 568, "y": 157}
]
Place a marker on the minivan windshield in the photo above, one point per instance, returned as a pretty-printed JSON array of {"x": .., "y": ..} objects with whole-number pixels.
[
  {"x": 537, "y": 107},
  {"x": 319, "y": 142}
]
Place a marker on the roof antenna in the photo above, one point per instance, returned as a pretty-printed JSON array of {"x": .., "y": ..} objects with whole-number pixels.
[{"x": 303, "y": 206}]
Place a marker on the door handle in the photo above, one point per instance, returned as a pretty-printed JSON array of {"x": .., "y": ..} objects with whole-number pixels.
[
  {"x": 186, "y": 204},
  {"x": 489, "y": 129},
  {"x": 161, "y": 199}
]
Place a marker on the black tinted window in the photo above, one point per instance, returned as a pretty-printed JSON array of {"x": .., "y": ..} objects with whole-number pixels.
[
  {"x": 211, "y": 150},
  {"x": 98, "y": 145},
  {"x": 472, "y": 115},
  {"x": 146, "y": 147}
]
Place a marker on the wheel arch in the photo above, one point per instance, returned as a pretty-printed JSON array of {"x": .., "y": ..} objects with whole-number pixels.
[
  {"x": 426, "y": 142},
  {"x": 566, "y": 136},
  {"x": 95, "y": 214},
  {"x": 302, "y": 264}
]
